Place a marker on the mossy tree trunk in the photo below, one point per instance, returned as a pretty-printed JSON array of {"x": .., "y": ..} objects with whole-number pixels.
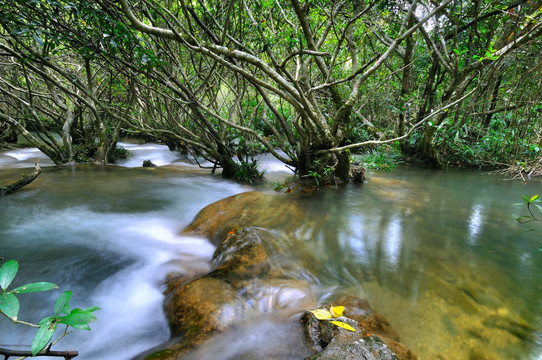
[{"x": 25, "y": 180}]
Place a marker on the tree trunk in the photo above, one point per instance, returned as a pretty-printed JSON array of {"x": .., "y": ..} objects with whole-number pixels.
[
  {"x": 26, "y": 179},
  {"x": 406, "y": 82},
  {"x": 342, "y": 170},
  {"x": 427, "y": 150}
]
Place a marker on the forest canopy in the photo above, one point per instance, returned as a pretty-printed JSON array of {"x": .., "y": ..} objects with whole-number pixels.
[{"x": 447, "y": 82}]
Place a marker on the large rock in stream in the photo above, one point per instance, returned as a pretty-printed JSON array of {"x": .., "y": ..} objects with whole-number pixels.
[{"x": 263, "y": 275}]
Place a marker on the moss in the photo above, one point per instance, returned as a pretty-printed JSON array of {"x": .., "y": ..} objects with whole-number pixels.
[{"x": 161, "y": 355}]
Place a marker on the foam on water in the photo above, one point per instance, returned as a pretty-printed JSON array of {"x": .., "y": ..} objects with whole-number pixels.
[
  {"x": 158, "y": 154},
  {"x": 22, "y": 158},
  {"x": 131, "y": 318},
  {"x": 110, "y": 236}
]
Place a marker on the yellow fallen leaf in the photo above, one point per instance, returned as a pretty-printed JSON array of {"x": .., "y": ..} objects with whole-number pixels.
[
  {"x": 336, "y": 311},
  {"x": 343, "y": 325},
  {"x": 322, "y": 314}
]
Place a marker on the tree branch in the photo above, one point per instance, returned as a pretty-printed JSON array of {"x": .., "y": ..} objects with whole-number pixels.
[{"x": 7, "y": 353}]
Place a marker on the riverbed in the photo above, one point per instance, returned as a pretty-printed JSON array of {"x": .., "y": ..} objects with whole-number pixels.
[{"x": 438, "y": 253}]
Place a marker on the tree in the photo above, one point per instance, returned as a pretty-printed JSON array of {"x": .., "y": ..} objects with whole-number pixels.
[
  {"x": 299, "y": 57},
  {"x": 56, "y": 81},
  {"x": 467, "y": 48},
  {"x": 225, "y": 80}
]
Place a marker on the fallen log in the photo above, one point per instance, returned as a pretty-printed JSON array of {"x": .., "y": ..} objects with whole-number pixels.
[{"x": 25, "y": 180}]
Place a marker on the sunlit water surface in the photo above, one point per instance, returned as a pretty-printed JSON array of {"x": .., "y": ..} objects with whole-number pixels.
[{"x": 436, "y": 252}]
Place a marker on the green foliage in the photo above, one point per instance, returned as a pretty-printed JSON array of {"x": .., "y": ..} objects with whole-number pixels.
[
  {"x": 383, "y": 158},
  {"x": 279, "y": 185},
  {"x": 472, "y": 145},
  {"x": 186, "y": 89},
  {"x": 119, "y": 153},
  {"x": 63, "y": 314},
  {"x": 529, "y": 202},
  {"x": 315, "y": 176},
  {"x": 248, "y": 172}
]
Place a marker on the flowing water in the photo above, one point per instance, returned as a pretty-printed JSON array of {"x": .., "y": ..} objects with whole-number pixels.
[{"x": 436, "y": 252}]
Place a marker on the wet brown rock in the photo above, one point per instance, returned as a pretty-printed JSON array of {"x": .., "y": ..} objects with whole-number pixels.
[
  {"x": 202, "y": 305},
  {"x": 250, "y": 209},
  {"x": 255, "y": 271}
]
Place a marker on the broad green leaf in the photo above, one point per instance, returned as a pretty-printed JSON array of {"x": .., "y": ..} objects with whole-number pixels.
[
  {"x": 9, "y": 305},
  {"x": 533, "y": 198},
  {"x": 78, "y": 318},
  {"x": 63, "y": 303},
  {"x": 34, "y": 287},
  {"x": 322, "y": 314},
  {"x": 43, "y": 336},
  {"x": 7, "y": 273},
  {"x": 343, "y": 325},
  {"x": 336, "y": 311}
]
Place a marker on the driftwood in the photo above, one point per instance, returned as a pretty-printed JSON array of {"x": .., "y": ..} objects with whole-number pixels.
[
  {"x": 26, "y": 179},
  {"x": 68, "y": 355}
]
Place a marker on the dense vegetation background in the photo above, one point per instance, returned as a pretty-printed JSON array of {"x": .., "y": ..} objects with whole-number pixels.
[{"x": 449, "y": 82}]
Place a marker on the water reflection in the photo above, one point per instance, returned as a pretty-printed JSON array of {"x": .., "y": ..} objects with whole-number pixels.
[
  {"x": 456, "y": 276},
  {"x": 475, "y": 224}
]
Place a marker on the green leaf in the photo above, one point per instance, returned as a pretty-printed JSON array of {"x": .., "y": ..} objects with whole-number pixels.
[
  {"x": 42, "y": 338},
  {"x": 78, "y": 319},
  {"x": 92, "y": 309},
  {"x": 39, "y": 40},
  {"x": 9, "y": 305},
  {"x": 34, "y": 287},
  {"x": 62, "y": 305},
  {"x": 533, "y": 198},
  {"x": 343, "y": 325},
  {"x": 7, "y": 273}
]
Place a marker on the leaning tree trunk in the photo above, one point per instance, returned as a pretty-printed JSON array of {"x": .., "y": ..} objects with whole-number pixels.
[
  {"x": 427, "y": 150},
  {"x": 26, "y": 179}
]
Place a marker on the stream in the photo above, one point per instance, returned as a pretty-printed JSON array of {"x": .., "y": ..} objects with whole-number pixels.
[{"x": 438, "y": 253}]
